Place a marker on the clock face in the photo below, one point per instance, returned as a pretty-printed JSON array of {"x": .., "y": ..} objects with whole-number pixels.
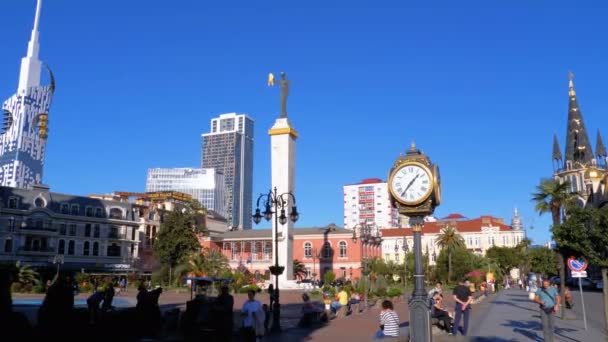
[{"x": 411, "y": 184}]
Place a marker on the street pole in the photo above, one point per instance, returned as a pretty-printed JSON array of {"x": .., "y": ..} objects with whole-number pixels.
[
  {"x": 420, "y": 327},
  {"x": 276, "y": 310},
  {"x": 580, "y": 288}
]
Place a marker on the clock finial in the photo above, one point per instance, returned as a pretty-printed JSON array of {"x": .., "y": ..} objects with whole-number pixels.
[{"x": 413, "y": 146}]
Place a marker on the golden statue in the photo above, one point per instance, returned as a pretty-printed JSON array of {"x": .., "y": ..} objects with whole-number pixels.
[
  {"x": 270, "y": 79},
  {"x": 284, "y": 83}
]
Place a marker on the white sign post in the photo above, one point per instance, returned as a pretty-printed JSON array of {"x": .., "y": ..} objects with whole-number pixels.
[{"x": 578, "y": 267}]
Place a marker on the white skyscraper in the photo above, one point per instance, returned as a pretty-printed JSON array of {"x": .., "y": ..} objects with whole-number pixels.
[
  {"x": 24, "y": 132},
  {"x": 369, "y": 203},
  {"x": 228, "y": 148},
  {"x": 204, "y": 185}
]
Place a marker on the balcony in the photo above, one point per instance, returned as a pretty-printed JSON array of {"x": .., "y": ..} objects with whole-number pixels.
[
  {"x": 39, "y": 251},
  {"x": 44, "y": 229},
  {"x": 117, "y": 236}
]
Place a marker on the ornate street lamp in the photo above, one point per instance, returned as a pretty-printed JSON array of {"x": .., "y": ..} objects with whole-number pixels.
[{"x": 275, "y": 205}]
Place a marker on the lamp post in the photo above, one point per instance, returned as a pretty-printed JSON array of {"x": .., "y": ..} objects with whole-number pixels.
[
  {"x": 406, "y": 249},
  {"x": 275, "y": 205},
  {"x": 58, "y": 260},
  {"x": 367, "y": 235}
]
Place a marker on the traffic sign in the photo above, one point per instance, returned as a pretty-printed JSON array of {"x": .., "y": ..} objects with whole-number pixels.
[
  {"x": 581, "y": 274},
  {"x": 576, "y": 265}
]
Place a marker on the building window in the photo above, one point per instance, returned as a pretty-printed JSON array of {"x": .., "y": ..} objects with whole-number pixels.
[
  {"x": 72, "y": 230},
  {"x": 8, "y": 245},
  {"x": 98, "y": 212},
  {"x": 308, "y": 250},
  {"x": 327, "y": 250},
  {"x": 65, "y": 209},
  {"x": 39, "y": 202},
  {"x": 87, "y": 230},
  {"x": 254, "y": 251},
  {"x": 89, "y": 211},
  {"x": 12, "y": 203},
  {"x": 267, "y": 251},
  {"x": 387, "y": 257},
  {"x": 71, "y": 247},
  {"x": 74, "y": 210},
  {"x": 342, "y": 246},
  {"x": 61, "y": 247},
  {"x": 113, "y": 250},
  {"x": 115, "y": 213},
  {"x": 96, "y": 231},
  {"x": 85, "y": 248},
  {"x": 95, "y": 248},
  {"x": 233, "y": 251}
]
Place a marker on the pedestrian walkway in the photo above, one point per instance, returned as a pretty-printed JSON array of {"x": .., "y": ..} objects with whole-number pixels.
[{"x": 511, "y": 316}]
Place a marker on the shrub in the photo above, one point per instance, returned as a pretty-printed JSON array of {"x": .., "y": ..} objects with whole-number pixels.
[
  {"x": 380, "y": 293},
  {"x": 379, "y": 284},
  {"x": 39, "y": 288},
  {"x": 82, "y": 277},
  {"x": 314, "y": 292},
  {"x": 248, "y": 288},
  {"x": 16, "y": 287},
  {"x": 86, "y": 287},
  {"x": 394, "y": 292},
  {"x": 329, "y": 277}
]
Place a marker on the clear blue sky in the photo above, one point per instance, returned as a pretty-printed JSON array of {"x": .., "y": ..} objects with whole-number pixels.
[{"x": 481, "y": 86}]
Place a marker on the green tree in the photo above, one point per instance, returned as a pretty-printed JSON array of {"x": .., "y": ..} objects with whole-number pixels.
[
  {"x": 177, "y": 237},
  {"x": 26, "y": 274},
  {"x": 210, "y": 263},
  {"x": 585, "y": 234},
  {"x": 506, "y": 258},
  {"x": 449, "y": 240},
  {"x": 542, "y": 261},
  {"x": 463, "y": 261},
  {"x": 299, "y": 269},
  {"x": 329, "y": 278},
  {"x": 551, "y": 197}
]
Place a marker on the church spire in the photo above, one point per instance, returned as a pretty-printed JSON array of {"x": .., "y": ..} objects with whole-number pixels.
[
  {"x": 578, "y": 148},
  {"x": 557, "y": 153},
  {"x": 31, "y": 66},
  {"x": 600, "y": 149}
]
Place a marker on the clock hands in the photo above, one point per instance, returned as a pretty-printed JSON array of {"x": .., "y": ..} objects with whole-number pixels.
[{"x": 410, "y": 184}]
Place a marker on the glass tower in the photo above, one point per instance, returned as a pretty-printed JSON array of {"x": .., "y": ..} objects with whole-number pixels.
[
  {"x": 204, "y": 185},
  {"x": 228, "y": 148}
]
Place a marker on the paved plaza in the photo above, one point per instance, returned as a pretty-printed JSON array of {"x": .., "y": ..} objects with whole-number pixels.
[{"x": 506, "y": 316}]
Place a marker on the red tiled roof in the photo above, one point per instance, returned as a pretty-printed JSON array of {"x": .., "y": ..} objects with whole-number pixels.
[
  {"x": 466, "y": 226},
  {"x": 453, "y": 216}
]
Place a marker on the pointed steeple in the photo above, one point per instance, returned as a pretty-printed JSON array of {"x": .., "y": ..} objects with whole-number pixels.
[
  {"x": 557, "y": 153},
  {"x": 578, "y": 148},
  {"x": 516, "y": 223},
  {"x": 600, "y": 149},
  {"x": 31, "y": 66}
]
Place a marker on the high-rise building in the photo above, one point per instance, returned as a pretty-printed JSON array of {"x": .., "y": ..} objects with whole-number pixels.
[
  {"x": 24, "y": 132},
  {"x": 204, "y": 185},
  {"x": 368, "y": 203},
  {"x": 228, "y": 148},
  {"x": 585, "y": 172}
]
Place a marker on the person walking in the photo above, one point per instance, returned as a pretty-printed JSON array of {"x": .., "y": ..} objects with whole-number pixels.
[
  {"x": 389, "y": 323},
  {"x": 549, "y": 301},
  {"x": 223, "y": 308},
  {"x": 252, "y": 313},
  {"x": 271, "y": 296},
  {"x": 463, "y": 298}
]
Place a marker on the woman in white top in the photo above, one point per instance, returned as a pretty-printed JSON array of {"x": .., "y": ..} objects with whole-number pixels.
[{"x": 253, "y": 320}]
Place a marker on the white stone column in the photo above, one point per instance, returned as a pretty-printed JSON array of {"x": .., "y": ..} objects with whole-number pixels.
[{"x": 283, "y": 158}]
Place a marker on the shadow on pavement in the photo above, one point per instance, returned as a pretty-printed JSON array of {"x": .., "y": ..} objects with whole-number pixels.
[
  {"x": 490, "y": 339},
  {"x": 533, "y": 330},
  {"x": 502, "y": 302}
]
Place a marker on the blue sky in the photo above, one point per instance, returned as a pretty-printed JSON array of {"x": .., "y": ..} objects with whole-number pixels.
[{"x": 481, "y": 86}]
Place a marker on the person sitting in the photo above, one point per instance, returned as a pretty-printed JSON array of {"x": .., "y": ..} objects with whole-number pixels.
[
  {"x": 341, "y": 300},
  {"x": 439, "y": 312}
]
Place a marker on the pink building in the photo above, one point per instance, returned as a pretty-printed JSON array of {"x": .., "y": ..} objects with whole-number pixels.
[{"x": 320, "y": 249}]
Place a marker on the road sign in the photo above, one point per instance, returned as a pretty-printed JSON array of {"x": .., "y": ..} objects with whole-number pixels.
[
  {"x": 576, "y": 265},
  {"x": 581, "y": 274}
]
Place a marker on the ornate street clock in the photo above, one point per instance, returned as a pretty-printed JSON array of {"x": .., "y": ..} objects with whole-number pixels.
[
  {"x": 415, "y": 189},
  {"x": 414, "y": 184}
]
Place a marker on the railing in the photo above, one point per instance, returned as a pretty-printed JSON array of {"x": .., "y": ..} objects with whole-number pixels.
[
  {"x": 30, "y": 250},
  {"x": 43, "y": 228}
]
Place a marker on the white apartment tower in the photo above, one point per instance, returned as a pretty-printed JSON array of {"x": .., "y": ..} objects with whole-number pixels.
[{"x": 368, "y": 203}]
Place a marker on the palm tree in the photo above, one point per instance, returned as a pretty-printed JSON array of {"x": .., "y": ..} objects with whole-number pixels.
[
  {"x": 450, "y": 240},
  {"x": 299, "y": 269},
  {"x": 26, "y": 274},
  {"x": 208, "y": 263},
  {"x": 552, "y": 197}
]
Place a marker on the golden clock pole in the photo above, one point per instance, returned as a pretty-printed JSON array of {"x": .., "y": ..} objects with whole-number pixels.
[{"x": 415, "y": 190}]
